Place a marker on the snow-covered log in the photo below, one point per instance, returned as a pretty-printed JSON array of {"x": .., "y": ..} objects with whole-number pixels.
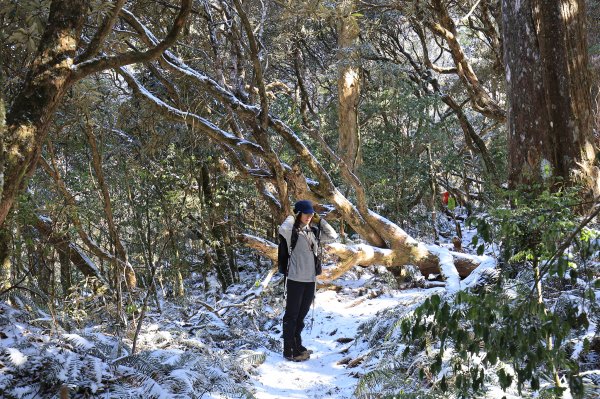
[
  {"x": 265, "y": 247},
  {"x": 430, "y": 259}
]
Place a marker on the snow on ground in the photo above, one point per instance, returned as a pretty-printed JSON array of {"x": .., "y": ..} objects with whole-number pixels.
[{"x": 336, "y": 316}]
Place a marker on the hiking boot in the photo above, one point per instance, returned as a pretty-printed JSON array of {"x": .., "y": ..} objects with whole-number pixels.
[
  {"x": 303, "y": 350},
  {"x": 290, "y": 352}
]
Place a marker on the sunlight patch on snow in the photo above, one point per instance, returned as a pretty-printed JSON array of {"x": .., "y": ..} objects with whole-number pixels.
[
  {"x": 152, "y": 327},
  {"x": 295, "y": 380},
  {"x": 497, "y": 393},
  {"x": 22, "y": 391},
  {"x": 336, "y": 316}
]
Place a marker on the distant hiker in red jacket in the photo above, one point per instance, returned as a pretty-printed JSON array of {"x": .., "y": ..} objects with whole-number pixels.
[{"x": 304, "y": 266}]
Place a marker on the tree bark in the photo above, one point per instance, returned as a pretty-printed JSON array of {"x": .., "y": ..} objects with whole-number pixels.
[
  {"x": 45, "y": 269},
  {"x": 348, "y": 84},
  {"x": 225, "y": 275},
  {"x": 366, "y": 255},
  {"x": 65, "y": 270},
  {"x": 33, "y": 108},
  {"x": 120, "y": 253},
  {"x": 5, "y": 262},
  {"x": 445, "y": 28},
  {"x": 550, "y": 110},
  {"x": 2, "y": 135}
]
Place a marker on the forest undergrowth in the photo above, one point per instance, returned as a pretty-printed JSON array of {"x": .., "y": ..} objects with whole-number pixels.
[{"x": 484, "y": 342}]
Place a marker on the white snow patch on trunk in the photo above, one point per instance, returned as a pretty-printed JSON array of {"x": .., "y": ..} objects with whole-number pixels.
[
  {"x": 447, "y": 268},
  {"x": 487, "y": 263}
]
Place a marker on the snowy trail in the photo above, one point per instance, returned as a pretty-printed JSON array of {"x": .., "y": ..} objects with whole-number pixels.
[{"x": 335, "y": 316}]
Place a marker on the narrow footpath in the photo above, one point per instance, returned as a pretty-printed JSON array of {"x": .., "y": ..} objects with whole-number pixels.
[{"x": 332, "y": 339}]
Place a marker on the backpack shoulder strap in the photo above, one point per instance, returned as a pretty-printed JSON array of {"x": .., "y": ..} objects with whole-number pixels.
[
  {"x": 294, "y": 240},
  {"x": 317, "y": 232}
]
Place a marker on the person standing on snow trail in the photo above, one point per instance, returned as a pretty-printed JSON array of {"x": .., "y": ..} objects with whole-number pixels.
[{"x": 303, "y": 268}]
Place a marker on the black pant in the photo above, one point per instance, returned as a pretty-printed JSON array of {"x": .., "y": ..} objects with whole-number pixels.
[{"x": 299, "y": 297}]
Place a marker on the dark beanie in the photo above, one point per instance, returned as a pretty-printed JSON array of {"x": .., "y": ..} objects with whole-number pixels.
[{"x": 303, "y": 206}]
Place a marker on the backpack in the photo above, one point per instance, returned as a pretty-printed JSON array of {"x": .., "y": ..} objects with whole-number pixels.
[{"x": 283, "y": 254}]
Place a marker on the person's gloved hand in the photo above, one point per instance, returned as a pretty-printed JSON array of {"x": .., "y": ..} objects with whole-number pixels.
[{"x": 316, "y": 218}]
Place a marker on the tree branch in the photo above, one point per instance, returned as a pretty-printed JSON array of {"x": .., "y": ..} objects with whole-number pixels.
[
  {"x": 213, "y": 131},
  {"x": 101, "y": 34},
  {"x": 480, "y": 99},
  {"x": 86, "y": 68},
  {"x": 255, "y": 62}
]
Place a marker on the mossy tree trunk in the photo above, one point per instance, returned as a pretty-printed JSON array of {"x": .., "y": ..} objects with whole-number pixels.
[
  {"x": 54, "y": 69},
  {"x": 5, "y": 262},
  {"x": 32, "y": 110},
  {"x": 217, "y": 228}
]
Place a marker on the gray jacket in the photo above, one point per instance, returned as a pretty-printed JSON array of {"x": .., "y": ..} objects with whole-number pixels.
[{"x": 302, "y": 260}]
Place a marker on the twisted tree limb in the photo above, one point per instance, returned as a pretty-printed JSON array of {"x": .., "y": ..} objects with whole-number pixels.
[{"x": 64, "y": 245}]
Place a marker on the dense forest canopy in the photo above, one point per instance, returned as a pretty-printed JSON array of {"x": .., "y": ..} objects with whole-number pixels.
[{"x": 142, "y": 142}]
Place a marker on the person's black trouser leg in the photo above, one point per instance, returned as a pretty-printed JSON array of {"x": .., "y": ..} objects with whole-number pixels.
[
  {"x": 299, "y": 298},
  {"x": 307, "y": 299}
]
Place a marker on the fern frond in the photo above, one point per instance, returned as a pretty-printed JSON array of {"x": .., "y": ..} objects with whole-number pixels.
[
  {"x": 28, "y": 392},
  {"x": 142, "y": 362},
  {"x": 78, "y": 342},
  {"x": 236, "y": 391},
  {"x": 103, "y": 347},
  {"x": 248, "y": 358},
  {"x": 372, "y": 382},
  {"x": 183, "y": 380}
]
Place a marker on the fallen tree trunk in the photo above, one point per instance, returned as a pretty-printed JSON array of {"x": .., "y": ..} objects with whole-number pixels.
[
  {"x": 429, "y": 259},
  {"x": 63, "y": 244}
]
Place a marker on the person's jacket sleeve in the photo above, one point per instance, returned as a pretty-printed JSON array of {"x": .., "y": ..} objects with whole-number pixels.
[
  {"x": 327, "y": 232},
  {"x": 286, "y": 229}
]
